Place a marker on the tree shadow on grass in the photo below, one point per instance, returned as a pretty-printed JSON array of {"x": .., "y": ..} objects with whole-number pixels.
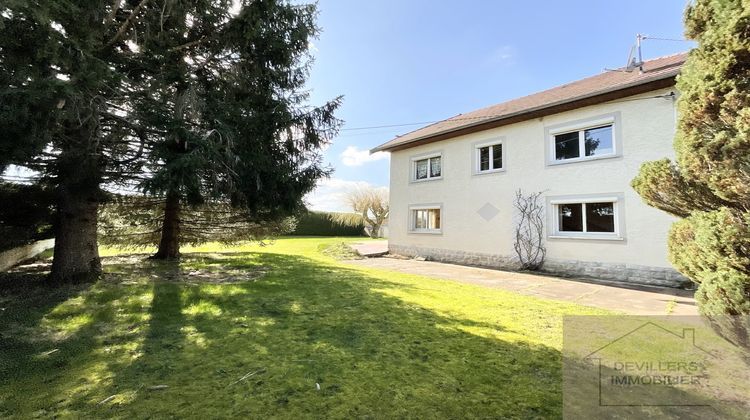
[
  {"x": 315, "y": 340},
  {"x": 25, "y": 298},
  {"x": 61, "y": 343},
  {"x": 308, "y": 339}
]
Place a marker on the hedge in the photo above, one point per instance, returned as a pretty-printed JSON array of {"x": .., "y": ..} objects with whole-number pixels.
[{"x": 316, "y": 223}]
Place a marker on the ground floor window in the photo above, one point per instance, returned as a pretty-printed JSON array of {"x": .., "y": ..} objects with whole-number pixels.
[
  {"x": 425, "y": 219},
  {"x": 587, "y": 218}
]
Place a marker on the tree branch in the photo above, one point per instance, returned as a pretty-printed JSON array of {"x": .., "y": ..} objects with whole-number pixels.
[
  {"x": 188, "y": 44},
  {"x": 112, "y": 13},
  {"x": 126, "y": 24}
]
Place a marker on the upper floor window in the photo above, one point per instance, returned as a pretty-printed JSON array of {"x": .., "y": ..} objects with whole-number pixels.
[
  {"x": 598, "y": 137},
  {"x": 590, "y": 142},
  {"x": 425, "y": 168},
  {"x": 489, "y": 157}
]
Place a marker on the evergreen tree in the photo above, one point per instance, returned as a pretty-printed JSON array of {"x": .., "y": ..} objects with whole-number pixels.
[
  {"x": 227, "y": 89},
  {"x": 709, "y": 185},
  {"x": 185, "y": 100},
  {"x": 62, "y": 101},
  {"x": 135, "y": 222}
]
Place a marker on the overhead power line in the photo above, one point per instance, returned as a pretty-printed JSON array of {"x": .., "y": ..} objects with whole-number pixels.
[
  {"x": 372, "y": 127},
  {"x": 656, "y": 38},
  {"x": 483, "y": 117}
]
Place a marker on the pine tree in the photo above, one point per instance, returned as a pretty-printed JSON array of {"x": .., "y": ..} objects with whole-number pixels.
[
  {"x": 184, "y": 100},
  {"x": 227, "y": 89},
  {"x": 62, "y": 93},
  {"x": 135, "y": 222},
  {"x": 709, "y": 185}
]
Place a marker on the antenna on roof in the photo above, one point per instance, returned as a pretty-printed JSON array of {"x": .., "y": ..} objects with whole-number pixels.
[
  {"x": 635, "y": 57},
  {"x": 639, "y": 64}
]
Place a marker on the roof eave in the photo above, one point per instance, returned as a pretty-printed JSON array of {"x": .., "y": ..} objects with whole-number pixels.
[{"x": 535, "y": 112}]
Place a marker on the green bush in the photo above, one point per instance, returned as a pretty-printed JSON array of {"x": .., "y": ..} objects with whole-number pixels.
[
  {"x": 709, "y": 184},
  {"x": 712, "y": 248},
  {"x": 317, "y": 223}
]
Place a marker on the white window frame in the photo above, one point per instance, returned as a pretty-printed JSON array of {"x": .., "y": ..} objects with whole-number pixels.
[
  {"x": 581, "y": 128},
  {"x": 478, "y": 160},
  {"x": 412, "y": 227},
  {"x": 560, "y": 234},
  {"x": 427, "y": 157}
]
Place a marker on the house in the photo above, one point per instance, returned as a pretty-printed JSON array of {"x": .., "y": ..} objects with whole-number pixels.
[{"x": 452, "y": 183}]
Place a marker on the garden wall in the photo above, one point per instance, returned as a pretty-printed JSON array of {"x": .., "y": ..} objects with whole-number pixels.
[{"x": 14, "y": 256}]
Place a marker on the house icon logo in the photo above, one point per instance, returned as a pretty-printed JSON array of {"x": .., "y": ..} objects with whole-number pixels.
[{"x": 650, "y": 366}]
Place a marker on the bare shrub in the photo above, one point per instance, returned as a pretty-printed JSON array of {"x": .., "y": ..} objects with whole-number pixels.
[
  {"x": 370, "y": 206},
  {"x": 529, "y": 231}
]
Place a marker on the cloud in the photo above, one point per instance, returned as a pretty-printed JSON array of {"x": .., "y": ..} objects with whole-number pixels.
[
  {"x": 503, "y": 54},
  {"x": 330, "y": 194},
  {"x": 352, "y": 156}
]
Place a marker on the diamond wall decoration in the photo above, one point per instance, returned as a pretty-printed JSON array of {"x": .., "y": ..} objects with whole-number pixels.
[{"x": 488, "y": 212}]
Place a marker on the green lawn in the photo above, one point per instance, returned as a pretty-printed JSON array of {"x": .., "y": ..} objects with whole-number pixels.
[{"x": 282, "y": 331}]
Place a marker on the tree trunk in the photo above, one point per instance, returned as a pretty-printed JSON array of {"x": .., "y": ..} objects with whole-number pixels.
[
  {"x": 375, "y": 231},
  {"x": 76, "y": 254},
  {"x": 169, "y": 246}
]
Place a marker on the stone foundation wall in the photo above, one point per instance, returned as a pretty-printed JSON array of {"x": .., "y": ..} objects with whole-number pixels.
[{"x": 626, "y": 273}]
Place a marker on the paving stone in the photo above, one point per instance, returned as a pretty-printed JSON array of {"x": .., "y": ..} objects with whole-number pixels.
[
  {"x": 636, "y": 300},
  {"x": 630, "y": 273}
]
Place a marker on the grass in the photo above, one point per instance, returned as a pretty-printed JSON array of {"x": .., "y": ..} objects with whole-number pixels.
[
  {"x": 275, "y": 331},
  {"x": 339, "y": 251},
  {"x": 670, "y": 306}
]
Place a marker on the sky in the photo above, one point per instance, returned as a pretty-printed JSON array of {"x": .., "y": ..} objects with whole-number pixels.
[{"x": 418, "y": 61}]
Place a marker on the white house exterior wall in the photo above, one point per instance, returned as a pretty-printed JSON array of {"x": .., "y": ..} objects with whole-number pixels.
[{"x": 644, "y": 130}]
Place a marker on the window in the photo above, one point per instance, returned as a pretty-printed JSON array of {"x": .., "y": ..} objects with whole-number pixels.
[
  {"x": 593, "y": 218},
  {"x": 489, "y": 157},
  {"x": 425, "y": 219},
  {"x": 587, "y": 217},
  {"x": 428, "y": 168},
  {"x": 584, "y": 144}
]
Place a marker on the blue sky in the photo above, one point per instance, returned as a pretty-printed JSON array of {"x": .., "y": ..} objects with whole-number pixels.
[{"x": 409, "y": 61}]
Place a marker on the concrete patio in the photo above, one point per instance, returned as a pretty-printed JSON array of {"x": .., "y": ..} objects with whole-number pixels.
[
  {"x": 371, "y": 249},
  {"x": 633, "y": 300}
]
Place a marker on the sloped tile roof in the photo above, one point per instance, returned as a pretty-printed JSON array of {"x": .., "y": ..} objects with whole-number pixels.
[{"x": 658, "y": 69}]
